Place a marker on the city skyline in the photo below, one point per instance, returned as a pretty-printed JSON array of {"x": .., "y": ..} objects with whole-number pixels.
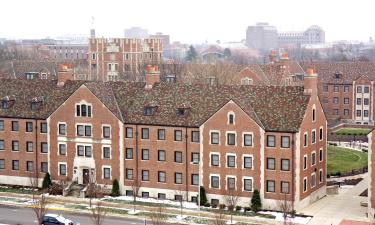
[{"x": 188, "y": 22}]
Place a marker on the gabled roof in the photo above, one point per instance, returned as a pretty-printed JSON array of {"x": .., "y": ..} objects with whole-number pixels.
[
  {"x": 350, "y": 71},
  {"x": 25, "y": 90},
  {"x": 274, "y": 108}
]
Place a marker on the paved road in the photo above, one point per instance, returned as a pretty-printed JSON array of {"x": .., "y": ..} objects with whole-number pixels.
[{"x": 21, "y": 216}]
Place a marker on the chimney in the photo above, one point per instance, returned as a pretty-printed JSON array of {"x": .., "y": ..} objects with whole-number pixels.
[
  {"x": 152, "y": 76},
  {"x": 64, "y": 74},
  {"x": 284, "y": 58},
  {"x": 272, "y": 56},
  {"x": 310, "y": 82}
]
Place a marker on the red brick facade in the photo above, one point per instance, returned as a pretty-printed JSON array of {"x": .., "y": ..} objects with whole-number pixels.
[{"x": 232, "y": 146}]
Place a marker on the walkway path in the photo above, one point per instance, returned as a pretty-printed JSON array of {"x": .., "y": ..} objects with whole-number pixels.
[{"x": 332, "y": 209}]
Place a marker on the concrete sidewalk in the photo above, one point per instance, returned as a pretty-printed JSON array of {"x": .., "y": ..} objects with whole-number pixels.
[{"x": 332, "y": 209}]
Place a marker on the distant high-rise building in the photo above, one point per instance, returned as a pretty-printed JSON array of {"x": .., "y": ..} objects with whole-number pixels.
[
  {"x": 262, "y": 36},
  {"x": 136, "y": 32},
  {"x": 312, "y": 35},
  {"x": 164, "y": 37}
]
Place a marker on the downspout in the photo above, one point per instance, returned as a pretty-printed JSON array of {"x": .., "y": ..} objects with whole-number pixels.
[
  {"x": 293, "y": 176},
  {"x": 36, "y": 150},
  {"x": 186, "y": 164},
  {"x": 136, "y": 153}
]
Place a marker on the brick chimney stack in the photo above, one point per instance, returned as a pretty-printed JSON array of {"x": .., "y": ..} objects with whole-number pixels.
[
  {"x": 272, "y": 56},
  {"x": 310, "y": 82},
  {"x": 152, "y": 76},
  {"x": 64, "y": 74},
  {"x": 284, "y": 59}
]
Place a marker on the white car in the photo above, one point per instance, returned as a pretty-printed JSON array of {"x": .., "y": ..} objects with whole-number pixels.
[{"x": 54, "y": 219}]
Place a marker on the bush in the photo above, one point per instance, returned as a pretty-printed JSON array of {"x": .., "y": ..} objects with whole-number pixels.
[
  {"x": 207, "y": 204},
  {"x": 47, "y": 182},
  {"x": 246, "y": 209},
  {"x": 56, "y": 189},
  {"x": 222, "y": 206},
  {"x": 203, "y": 197},
  {"x": 238, "y": 208},
  {"x": 115, "y": 188},
  {"x": 256, "y": 203}
]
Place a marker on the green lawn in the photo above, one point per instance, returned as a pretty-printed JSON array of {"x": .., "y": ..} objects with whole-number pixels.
[
  {"x": 353, "y": 131},
  {"x": 344, "y": 160}
]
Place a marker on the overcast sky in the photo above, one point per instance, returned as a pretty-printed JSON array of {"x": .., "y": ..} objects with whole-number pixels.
[{"x": 189, "y": 21}]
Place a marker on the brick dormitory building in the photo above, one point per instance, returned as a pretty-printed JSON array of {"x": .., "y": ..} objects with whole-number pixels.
[{"x": 170, "y": 137}]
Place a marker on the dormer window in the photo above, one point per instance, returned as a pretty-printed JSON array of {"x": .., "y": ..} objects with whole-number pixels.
[
  {"x": 338, "y": 75},
  {"x": 7, "y": 102},
  {"x": 149, "y": 111},
  {"x": 4, "y": 104},
  {"x": 183, "y": 110},
  {"x": 150, "y": 108},
  {"x": 36, "y": 103}
]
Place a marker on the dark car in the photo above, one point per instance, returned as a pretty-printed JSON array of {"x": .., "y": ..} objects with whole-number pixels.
[{"x": 53, "y": 219}]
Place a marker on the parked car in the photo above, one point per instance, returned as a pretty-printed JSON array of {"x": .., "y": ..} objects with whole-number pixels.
[{"x": 54, "y": 219}]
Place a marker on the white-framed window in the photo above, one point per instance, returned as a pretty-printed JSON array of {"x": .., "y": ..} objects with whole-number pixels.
[
  {"x": 305, "y": 139},
  {"x": 231, "y": 182},
  {"x": 313, "y": 136},
  {"x": 247, "y": 139},
  {"x": 247, "y": 184},
  {"x": 304, "y": 162},
  {"x": 321, "y": 156},
  {"x": 247, "y": 161},
  {"x": 304, "y": 184},
  {"x": 313, "y": 180},
  {"x": 129, "y": 174},
  {"x": 84, "y": 130},
  {"x": 61, "y": 129},
  {"x": 62, "y": 169},
  {"x": 129, "y": 132},
  {"x": 321, "y": 134},
  {"x": 83, "y": 110},
  {"x": 231, "y": 138},
  {"x": 215, "y": 137},
  {"x": 231, "y": 118},
  {"x": 215, "y": 181},
  {"x": 214, "y": 159},
  {"x": 231, "y": 160},
  {"x": 162, "y": 177},
  {"x": 314, "y": 113},
  {"x": 313, "y": 158},
  {"x": 106, "y": 173},
  {"x": 106, "y": 131},
  {"x": 84, "y": 150},
  {"x": 107, "y": 153},
  {"x": 321, "y": 176},
  {"x": 62, "y": 148}
]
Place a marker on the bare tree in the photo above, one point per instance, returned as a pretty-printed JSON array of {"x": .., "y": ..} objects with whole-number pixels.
[
  {"x": 231, "y": 200},
  {"x": 180, "y": 198},
  {"x": 98, "y": 213},
  {"x": 286, "y": 208},
  {"x": 39, "y": 206},
  {"x": 157, "y": 217},
  {"x": 219, "y": 218},
  {"x": 135, "y": 185}
]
